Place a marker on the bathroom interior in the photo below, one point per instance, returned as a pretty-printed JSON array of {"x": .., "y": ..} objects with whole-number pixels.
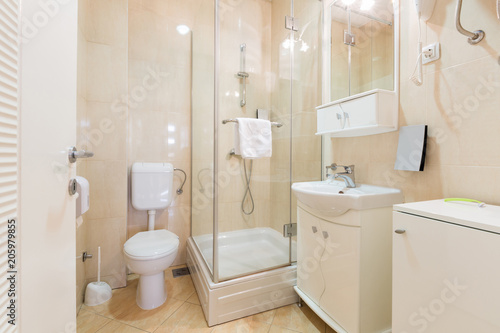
[{"x": 373, "y": 113}]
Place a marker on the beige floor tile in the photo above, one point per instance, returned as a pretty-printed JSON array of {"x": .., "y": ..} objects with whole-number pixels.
[
  {"x": 277, "y": 329},
  {"x": 120, "y": 302},
  {"x": 181, "y": 287},
  {"x": 189, "y": 317},
  {"x": 149, "y": 320},
  {"x": 242, "y": 325},
  {"x": 193, "y": 299},
  {"x": 118, "y": 327},
  {"x": 90, "y": 322},
  {"x": 264, "y": 317},
  {"x": 298, "y": 319}
]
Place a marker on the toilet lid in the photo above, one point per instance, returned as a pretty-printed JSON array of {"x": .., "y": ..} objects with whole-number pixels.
[{"x": 151, "y": 243}]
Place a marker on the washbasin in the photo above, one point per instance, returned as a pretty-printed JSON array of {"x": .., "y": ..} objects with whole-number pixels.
[{"x": 333, "y": 198}]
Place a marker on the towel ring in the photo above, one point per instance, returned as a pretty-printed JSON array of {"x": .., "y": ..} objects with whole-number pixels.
[{"x": 180, "y": 190}]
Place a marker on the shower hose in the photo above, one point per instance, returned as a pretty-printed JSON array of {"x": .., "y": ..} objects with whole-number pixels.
[{"x": 248, "y": 192}]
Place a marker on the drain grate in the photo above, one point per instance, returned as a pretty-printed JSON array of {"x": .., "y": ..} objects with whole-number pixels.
[{"x": 180, "y": 272}]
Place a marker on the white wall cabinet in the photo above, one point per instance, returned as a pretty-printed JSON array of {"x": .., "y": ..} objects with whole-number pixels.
[
  {"x": 446, "y": 268},
  {"x": 344, "y": 268}
]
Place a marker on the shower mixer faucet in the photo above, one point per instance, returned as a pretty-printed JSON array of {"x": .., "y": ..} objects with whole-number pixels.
[{"x": 347, "y": 176}]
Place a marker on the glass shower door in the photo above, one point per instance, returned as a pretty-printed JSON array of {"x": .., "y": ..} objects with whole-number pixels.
[
  {"x": 202, "y": 126},
  {"x": 253, "y": 195}
]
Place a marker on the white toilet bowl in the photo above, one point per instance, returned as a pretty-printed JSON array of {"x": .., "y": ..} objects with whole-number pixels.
[{"x": 148, "y": 254}]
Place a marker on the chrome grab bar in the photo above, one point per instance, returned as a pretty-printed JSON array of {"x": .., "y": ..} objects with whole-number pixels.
[
  {"x": 474, "y": 37},
  {"x": 225, "y": 121}
]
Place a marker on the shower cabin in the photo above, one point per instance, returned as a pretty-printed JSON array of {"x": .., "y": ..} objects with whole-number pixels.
[{"x": 251, "y": 58}]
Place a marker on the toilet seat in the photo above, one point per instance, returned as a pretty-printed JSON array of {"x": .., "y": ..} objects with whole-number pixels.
[{"x": 148, "y": 245}]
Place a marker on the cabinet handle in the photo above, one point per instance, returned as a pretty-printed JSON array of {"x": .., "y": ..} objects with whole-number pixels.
[
  {"x": 325, "y": 234},
  {"x": 315, "y": 230},
  {"x": 400, "y": 231}
]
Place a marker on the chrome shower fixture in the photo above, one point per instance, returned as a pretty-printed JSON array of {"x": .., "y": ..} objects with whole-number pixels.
[{"x": 242, "y": 74}]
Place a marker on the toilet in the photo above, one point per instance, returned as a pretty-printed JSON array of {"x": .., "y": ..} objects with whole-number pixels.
[{"x": 150, "y": 253}]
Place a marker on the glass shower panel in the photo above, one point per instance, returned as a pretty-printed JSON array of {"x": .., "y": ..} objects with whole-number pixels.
[
  {"x": 253, "y": 195},
  {"x": 203, "y": 135},
  {"x": 306, "y": 92}
]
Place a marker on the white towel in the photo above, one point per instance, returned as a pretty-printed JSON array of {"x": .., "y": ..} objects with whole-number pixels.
[{"x": 253, "y": 138}]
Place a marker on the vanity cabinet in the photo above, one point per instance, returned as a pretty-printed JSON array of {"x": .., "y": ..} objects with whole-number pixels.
[
  {"x": 344, "y": 267},
  {"x": 446, "y": 268}
]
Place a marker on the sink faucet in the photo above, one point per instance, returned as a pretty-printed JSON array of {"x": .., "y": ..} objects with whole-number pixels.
[{"x": 347, "y": 176}]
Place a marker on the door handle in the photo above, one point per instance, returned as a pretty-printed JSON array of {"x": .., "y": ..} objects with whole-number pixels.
[
  {"x": 74, "y": 154},
  {"x": 400, "y": 231}
]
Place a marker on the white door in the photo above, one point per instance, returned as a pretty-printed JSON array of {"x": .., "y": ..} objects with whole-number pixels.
[
  {"x": 445, "y": 277},
  {"x": 340, "y": 265},
  {"x": 310, "y": 248},
  {"x": 48, "y": 127}
]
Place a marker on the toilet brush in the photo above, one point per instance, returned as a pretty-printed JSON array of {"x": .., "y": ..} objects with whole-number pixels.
[{"x": 97, "y": 292}]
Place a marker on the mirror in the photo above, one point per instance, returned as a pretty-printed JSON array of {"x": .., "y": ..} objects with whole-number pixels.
[{"x": 360, "y": 47}]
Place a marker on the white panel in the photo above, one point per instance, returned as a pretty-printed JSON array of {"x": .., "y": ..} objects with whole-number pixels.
[
  {"x": 310, "y": 249},
  {"x": 48, "y": 128},
  {"x": 340, "y": 265},
  {"x": 240, "y": 297},
  {"x": 445, "y": 277},
  {"x": 9, "y": 20},
  {"x": 361, "y": 111}
]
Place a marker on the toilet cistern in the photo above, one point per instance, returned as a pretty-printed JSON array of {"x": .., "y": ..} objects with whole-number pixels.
[
  {"x": 347, "y": 176},
  {"x": 149, "y": 253}
]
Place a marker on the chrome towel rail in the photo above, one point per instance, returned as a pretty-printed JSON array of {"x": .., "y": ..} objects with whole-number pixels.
[
  {"x": 225, "y": 121},
  {"x": 474, "y": 37}
]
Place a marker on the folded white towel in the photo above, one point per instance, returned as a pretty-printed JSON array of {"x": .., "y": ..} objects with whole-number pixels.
[{"x": 253, "y": 138}]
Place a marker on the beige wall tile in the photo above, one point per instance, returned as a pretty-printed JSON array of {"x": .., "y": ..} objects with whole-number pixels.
[
  {"x": 106, "y": 22},
  {"x": 109, "y": 234},
  {"x": 108, "y": 189},
  {"x": 106, "y": 132},
  {"x": 106, "y": 72}
]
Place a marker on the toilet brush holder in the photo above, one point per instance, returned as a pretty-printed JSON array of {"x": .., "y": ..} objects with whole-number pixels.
[{"x": 97, "y": 292}]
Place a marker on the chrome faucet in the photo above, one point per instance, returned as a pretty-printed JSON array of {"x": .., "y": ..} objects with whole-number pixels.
[{"x": 347, "y": 176}]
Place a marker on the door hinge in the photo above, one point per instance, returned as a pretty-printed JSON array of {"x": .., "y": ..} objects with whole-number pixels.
[
  {"x": 349, "y": 39},
  {"x": 290, "y": 230},
  {"x": 292, "y": 23}
]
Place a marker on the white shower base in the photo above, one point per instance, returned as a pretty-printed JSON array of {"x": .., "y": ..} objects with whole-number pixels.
[
  {"x": 246, "y": 251},
  {"x": 242, "y": 252}
]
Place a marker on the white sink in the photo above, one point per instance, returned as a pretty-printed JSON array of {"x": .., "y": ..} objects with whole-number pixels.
[{"x": 333, "y": 198}]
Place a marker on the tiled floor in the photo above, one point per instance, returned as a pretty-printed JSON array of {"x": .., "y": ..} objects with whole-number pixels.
[{"x": 182, "y": 313}]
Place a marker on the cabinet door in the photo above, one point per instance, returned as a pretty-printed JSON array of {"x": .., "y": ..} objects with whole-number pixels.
[
  {"x": 310, "y": 248},
  {"x": 445, "y": 277},
  {"x": 340, "y": 264}
]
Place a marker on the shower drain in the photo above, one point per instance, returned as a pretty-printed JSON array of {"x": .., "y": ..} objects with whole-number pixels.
[{"x": 180, "y": 272}]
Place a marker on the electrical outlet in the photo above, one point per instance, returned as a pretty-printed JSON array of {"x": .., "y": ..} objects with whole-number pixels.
[{"x": 431, "y": 53}]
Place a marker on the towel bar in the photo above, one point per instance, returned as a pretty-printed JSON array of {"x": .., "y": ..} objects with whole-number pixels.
[{"x": 225, "y": 121}]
